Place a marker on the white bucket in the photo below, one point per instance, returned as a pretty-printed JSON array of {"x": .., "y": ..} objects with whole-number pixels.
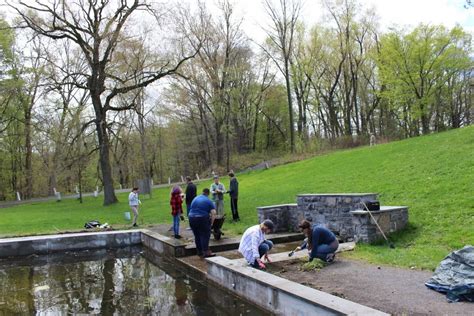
[{"x": 126, "y": 215}]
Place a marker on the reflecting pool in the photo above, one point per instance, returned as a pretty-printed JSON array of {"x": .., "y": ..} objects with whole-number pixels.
[{"x": 109, "y": 282}]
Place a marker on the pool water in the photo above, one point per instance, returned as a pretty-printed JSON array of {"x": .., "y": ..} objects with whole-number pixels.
[{"x": 109, "y": 282}]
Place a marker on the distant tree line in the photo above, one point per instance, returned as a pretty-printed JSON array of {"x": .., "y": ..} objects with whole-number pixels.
[{"x": 105, "y": 93}]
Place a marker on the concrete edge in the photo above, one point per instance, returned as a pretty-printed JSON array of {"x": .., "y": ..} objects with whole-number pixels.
[
  {"x": 277, "y": 205},
  {"x": 383, "y": 209},
  {"x": 336, "y": 194},
  {"x": 41, "y": 245},
  {"x": 279, "y": 295},
  {"x": 163, "y": 244}
]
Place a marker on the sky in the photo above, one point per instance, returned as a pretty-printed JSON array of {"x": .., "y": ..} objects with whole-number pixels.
[{"x": 391, "y": 12}]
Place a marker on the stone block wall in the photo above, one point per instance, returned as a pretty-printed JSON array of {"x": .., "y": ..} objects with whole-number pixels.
[
  {"x": 342, "y": 213},
  {"x": 389, "y": 218},
  {"x": 283, "y": 216},
  {"x": 332, "y": 210}
]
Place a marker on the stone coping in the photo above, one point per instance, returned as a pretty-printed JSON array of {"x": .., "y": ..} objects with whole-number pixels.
[
  {"x": 383, "y": 209},
  {"x": 336, "y": 194},
  {"x": 47, "y": 244},
  {"x": 278, "y": 205},
  {"x": 65, "y": 235},
  {"x": 279, "y": 295}
]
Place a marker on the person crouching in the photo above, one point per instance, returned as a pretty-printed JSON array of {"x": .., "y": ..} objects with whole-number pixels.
[
  {"x": 253, "y": 245},
  {"x": 322, "y": 243}
]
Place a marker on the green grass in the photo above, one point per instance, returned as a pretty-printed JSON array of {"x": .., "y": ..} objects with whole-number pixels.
[{"x": 433, "y": 175}]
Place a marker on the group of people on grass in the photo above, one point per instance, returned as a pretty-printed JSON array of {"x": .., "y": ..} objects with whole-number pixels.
[{"x": 202, "y": 211}]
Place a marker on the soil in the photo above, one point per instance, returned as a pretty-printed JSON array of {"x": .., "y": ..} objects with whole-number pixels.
[{"x": 392, "y": 290}]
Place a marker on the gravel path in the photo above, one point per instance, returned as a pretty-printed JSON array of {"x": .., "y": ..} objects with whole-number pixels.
[{"x": 392, "y": 290}]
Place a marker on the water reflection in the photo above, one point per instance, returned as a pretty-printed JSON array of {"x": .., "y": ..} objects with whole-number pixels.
[{"x": 116, "y": 283}]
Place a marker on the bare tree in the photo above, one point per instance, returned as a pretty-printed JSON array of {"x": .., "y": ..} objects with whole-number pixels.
[
  {"x": 99, "y": 29},
  {"x": 281, "y": 34}
]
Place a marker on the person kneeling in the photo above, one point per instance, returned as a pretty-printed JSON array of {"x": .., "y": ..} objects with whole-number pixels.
[
  {"x": 253, "y": 245},
  {"x": 322, "y": 243}
]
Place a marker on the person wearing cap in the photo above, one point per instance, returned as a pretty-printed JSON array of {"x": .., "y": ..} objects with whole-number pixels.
[
  {"x": 253, "y": 245},
  {"x": 322, "y": 243},
  {"x": 218, "y": 190}
]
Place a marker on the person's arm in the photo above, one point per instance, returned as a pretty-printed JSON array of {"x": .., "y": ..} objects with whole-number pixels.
[
  {"x": 222, "y": 189},
  {"x": 213, "y": 216},
  {"x": 314, "y": 243},
  {"x": 304, "y": 244},
  {"x": 213, "y": 188},
  {"x": 231, "y": 187}
]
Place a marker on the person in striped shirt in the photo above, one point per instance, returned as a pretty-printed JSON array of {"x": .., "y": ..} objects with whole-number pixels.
[{"x": 253, "y": 245}]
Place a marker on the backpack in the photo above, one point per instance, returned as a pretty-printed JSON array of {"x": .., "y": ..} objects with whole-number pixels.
[{"x": 91, "y": 224}]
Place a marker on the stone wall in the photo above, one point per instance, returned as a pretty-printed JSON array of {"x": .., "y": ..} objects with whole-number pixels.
[
  {"x": 283, "y": 216},
  {"x": 389, "y": 218},
  {"x": 332, "y": 210},
  {"x": 342, "y": 213}
]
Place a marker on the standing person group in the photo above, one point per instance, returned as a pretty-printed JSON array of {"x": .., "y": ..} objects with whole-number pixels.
[
  {"x": 133, "y": 202},
  {"x": 176, "y": 202},
  {"x": 218, "y": 190}
]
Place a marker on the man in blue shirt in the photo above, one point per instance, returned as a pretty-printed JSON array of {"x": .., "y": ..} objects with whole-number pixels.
[{"x": 201, "y": 216}]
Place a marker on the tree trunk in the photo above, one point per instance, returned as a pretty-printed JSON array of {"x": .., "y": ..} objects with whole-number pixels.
[
  {"x": 28, "y": 157},
  {"x": 290, "y": 107},
  {"x": 104, "y": 159}
]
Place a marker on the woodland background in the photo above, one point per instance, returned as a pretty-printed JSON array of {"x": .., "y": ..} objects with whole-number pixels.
[{"x": 102, "y": 93}]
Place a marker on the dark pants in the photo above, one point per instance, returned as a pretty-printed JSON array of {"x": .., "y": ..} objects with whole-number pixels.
[
  {"x": 233, "y": 207},
  {"x": 262, "y": 250},
  {"x": 188, "y": 207},
  {"x": 201, "y": 227}
]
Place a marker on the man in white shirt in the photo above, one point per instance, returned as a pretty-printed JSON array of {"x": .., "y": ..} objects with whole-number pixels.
[{"x": 253, "y": 245}]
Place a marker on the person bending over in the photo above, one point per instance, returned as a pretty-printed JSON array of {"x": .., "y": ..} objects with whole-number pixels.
[
  {"x": 322, "y": 243},
  {"x": 201, "y": 217},
  {"x": 253, "y": 245}
]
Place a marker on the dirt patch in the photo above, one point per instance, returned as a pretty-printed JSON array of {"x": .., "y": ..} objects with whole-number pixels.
[{"x": 392, "y": 290}]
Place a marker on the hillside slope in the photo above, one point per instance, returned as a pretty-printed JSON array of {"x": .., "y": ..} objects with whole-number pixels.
[{"x": 432, "y": 175}]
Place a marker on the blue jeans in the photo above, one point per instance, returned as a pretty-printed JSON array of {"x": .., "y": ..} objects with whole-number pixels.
[
  {"x": 322, "y": 251},
  {"x": 201, "y": 227},
  {"x": 176, "y": 224},
  {"x": 264, "y": 247}
]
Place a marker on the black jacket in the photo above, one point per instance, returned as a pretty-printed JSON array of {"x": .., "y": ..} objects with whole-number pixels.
[
  {"x": 190, "y": 192},
  {"x": 234, "y": 188}
]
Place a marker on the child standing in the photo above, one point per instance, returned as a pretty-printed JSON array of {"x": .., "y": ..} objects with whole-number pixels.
[{"x": 176, "y": 203}]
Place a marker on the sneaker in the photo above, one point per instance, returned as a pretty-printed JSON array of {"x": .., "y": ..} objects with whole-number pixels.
[
  {"x": 330, "y": 257},
  {"x": 188, "y": 228},
  {"x": 178, "y": 236},
  {"x": 135, "y": 225},
  {"x": 209, "y": 255}
]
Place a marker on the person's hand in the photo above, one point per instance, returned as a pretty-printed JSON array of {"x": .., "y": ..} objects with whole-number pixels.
[
  {"x": 139, "y": 202},
  {"x": 261, "y": 265},
  {"x": 267, "y": 259},
  {"x": 181, "y": 217},
  {"x": 298, "y": 248}
]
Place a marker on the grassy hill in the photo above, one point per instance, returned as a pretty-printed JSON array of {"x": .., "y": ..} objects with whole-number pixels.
[{"x": 433, "y": 175}]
